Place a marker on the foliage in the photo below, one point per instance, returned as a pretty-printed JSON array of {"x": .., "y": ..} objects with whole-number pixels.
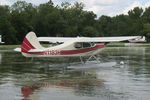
[{"x": 68, "y": 20}]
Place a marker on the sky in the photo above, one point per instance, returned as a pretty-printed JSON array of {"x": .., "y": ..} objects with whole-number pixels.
[{"x": 99, "y": 7}]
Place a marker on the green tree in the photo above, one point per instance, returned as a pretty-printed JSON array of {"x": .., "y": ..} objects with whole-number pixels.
[
  {"x": 120, "y": 25},
  {"x": 6, "y": 29},
  {"x": 104, "y": 25},
  {"x": 135, "y": 13},
  {"x": 146, "y": 15},
  {"x": 136, "y": 26},
  {"x": 22, "y": 16},
  {"x": 89, "y": 31},
  {"x": 146, "y": 31},
  {"x": 68, "y": 20}
]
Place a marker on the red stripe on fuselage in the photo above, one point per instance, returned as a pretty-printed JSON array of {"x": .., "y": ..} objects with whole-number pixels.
[{"x": 70, "y": 52}]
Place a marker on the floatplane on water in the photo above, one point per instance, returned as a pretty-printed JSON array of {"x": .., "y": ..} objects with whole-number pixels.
[{"x": 69, "y": 47}]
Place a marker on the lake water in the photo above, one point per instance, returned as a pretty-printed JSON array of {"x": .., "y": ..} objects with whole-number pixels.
[{"x": 123, "y": 74}]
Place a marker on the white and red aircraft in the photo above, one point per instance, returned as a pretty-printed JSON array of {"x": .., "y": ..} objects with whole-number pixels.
[{"x": 69, "y": 47}]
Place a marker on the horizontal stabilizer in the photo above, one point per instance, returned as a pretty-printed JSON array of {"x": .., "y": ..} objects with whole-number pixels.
[{"x": 17, "y": 49}]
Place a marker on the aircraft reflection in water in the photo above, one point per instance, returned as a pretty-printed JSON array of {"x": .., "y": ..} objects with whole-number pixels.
[
  {"x": 33, "y": 80},
  {"x": 82, "y": 83},
  {"x": 81, "y": 87}
]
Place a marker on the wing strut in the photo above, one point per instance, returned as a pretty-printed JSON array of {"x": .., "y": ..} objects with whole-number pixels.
[
  {"x": 90, "y": 57},
  {"x": 81, "y": 59}
]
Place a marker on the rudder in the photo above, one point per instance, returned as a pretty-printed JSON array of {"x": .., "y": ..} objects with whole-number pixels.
[{"x": 30, "y": 42}]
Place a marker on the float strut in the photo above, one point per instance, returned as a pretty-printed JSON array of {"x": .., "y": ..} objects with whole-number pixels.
[
  {"x": 93, "y": 56},
  {"x": 81, "y": 59}
]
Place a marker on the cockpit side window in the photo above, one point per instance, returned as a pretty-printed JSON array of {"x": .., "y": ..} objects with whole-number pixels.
[
  {"x": 83, "y": 45},
  {"x": 78, "y": 45},
  {"x": 86, "y": 45}
]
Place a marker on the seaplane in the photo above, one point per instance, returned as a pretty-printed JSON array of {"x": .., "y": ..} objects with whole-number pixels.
[{"x": 67, "y": 46}]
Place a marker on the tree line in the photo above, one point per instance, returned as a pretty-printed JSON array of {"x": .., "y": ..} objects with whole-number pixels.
[{"x": 68, "y": 20}]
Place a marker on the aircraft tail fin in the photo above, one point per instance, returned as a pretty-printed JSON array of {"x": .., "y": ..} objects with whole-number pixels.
[{"x": 30, "y": 42}]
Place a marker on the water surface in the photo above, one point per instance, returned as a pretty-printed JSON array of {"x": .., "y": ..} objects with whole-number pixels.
[{"x": 58, "y": 79}]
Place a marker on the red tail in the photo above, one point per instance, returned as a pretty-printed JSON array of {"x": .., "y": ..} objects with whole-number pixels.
[
  {"x": 26, "y": 46},
  {"x": 30, "y": 42}
]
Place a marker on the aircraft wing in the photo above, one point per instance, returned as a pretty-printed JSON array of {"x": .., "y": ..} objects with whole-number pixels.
[
  {"x": 108, "y": 39},
  {"x": 86, "y": 39},
  {"x": 55, "y": 39}
]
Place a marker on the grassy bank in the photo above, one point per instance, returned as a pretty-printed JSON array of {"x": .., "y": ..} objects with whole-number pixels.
[{"x": 8, "y": 47}]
